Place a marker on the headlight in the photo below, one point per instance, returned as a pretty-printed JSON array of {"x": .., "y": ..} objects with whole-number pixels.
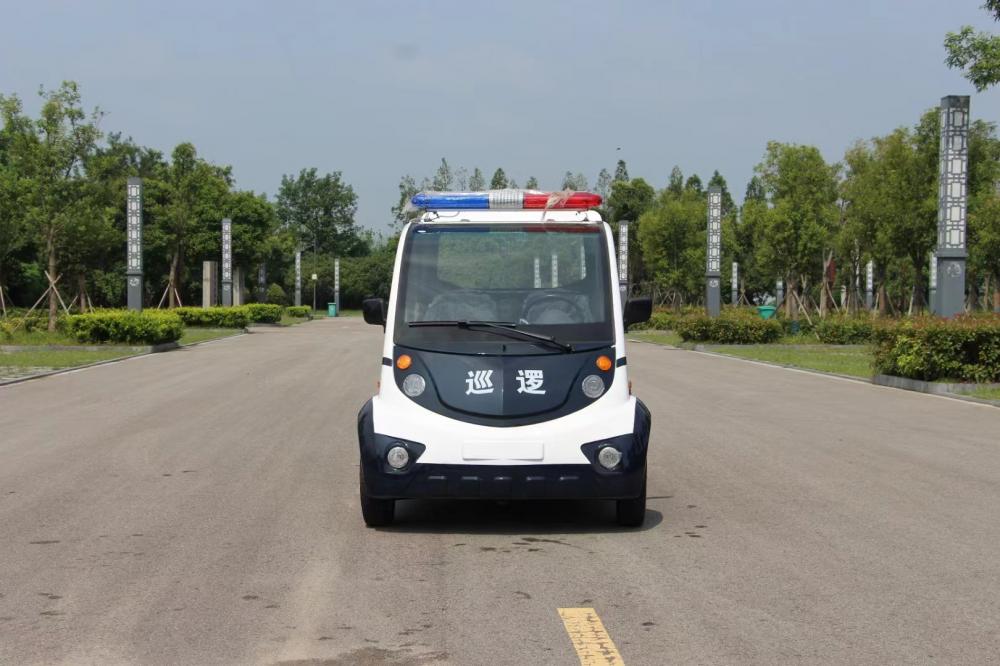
[
  {"x": 397, "y": 457},
  {"x": 414, "y": 385},
  {"x": 593, "y": 386},
  {"x": 609, "y": 457}
]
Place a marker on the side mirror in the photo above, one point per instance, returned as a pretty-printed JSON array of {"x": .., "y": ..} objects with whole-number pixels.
[
  {"x": 638, "y": 310},
  {"x": 374, "y": 311}
]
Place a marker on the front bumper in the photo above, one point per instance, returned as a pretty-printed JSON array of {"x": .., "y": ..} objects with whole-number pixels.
[{"x": 529, "y": 481}]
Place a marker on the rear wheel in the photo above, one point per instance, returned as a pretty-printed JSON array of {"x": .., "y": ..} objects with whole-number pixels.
[
  {"x": 632, "y": 512},
  {"x": 376, "y": 512}
]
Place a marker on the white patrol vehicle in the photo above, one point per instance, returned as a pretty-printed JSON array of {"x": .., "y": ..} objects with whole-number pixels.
[{"x": 504, "y": 373}]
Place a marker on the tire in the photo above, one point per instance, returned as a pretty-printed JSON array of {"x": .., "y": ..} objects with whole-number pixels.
[
  {"x": 632, "y": 512},
  {"x": 376, "y": 512}
]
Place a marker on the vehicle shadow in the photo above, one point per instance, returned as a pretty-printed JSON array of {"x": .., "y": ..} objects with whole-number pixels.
[{"x": 515, "y": 517}]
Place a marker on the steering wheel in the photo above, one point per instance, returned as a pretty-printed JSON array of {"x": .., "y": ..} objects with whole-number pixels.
[{"x": 576, "y": 314}]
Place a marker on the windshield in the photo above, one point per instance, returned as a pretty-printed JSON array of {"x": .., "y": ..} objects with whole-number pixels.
[{"x": 550, "y": 279}]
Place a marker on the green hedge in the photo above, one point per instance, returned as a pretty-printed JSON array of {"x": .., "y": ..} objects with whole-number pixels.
[
  {"x": 237, "y": 317},
  {"x": 732, "y": 327},
  {"x": 839, "y": 330},
  {"x": 151, "y": 327},
  {"x": 933, "y": 349},
  {"x": 263, "y": 313},
  {"x": 299, "y": 311}
]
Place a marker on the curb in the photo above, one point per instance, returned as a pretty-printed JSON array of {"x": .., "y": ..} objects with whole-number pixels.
[{"x": 152, "y": 349}]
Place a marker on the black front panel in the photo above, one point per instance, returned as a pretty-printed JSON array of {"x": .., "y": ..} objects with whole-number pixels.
[{"x": 504, "y": 390}]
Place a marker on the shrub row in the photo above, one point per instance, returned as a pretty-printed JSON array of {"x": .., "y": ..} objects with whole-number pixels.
[
  {"x": 931, "y": 349},
  {"x": 299, "y": 311},
  {"x": 150, "y": 327},
  {"x": 264, "y": 313},
  {"x": 730, "y": 328},
  {"x": 845, "y": 330},
  {"x": 219, "y": 317}
]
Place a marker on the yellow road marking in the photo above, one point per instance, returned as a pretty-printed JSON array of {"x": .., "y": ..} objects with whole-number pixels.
[{"x": 589, "y": 637}]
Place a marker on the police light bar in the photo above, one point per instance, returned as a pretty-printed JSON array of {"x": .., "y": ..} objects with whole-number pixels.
[{"x": 506, "y": 200}]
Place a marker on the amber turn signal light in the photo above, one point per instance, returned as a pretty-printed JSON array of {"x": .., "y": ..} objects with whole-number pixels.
[
  {"x": 603, "y": 363},
  {"x": 404, "y": 361}
]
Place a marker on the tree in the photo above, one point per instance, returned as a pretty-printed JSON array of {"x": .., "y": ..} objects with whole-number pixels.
[
  {"x": 621, "y": 171},
  {"x": 320, "y": 209},
  {"x": 978, "y": 53},
  {"x": 461, "y": 179},
  {"x": 802, "y": 189},
  {"x": 630, "y": 199},
  {"x": 477, "y": 183},
  {"x": 50, "y": 153},
  {"x": 13, "y": 225},
  {"x": 672, "y": 239},
  {"x": 984, "y": 239},
  {"x": 603, "y": 184},
  {"x": 693, "y": 184},
  {"x": 190, "y": 201},
  {"x": 577, "y": 182},
  {"x": 676, "y": 183},
  {"x": 755, "y": 190},
  {"x": 532, "y": 183},
  {"x": 499, "y": 180},
  {"x": 442, "y": 178},
  {"x": 401, "y": 214}
]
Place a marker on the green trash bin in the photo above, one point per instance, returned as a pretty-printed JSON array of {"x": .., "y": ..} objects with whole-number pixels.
[
  {"x": 331, "y": 309},
  {"x": 766, "y": 311}
]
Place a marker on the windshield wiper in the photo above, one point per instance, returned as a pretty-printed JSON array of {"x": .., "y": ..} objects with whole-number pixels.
[{"x": 499, "y": 327}]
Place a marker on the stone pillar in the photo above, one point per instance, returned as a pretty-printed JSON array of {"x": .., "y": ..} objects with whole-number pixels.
[
  {"x": 952, "y": 202},
  {"x": 538, "y": 273},
  {"x": 336, "y": 283},
  {"x": 209, "y": 284},
  {"x": 227, "y": 263},
  {"x": 555, "y": 270},
  {"x": 713, "y": 269},
  {"x": 298, "y": 278},
  {"x": 262, "y": 283},
  {"x": 779, "y": 293},
  {"x": 239, "y": 293},
  {"x": 932, "y": 303},
  {"x": 623, "y": 259},
  {"x": 133, "y": 245},
  {"x": 869, "y": 284},
  {"x": 734, "y": 285}
]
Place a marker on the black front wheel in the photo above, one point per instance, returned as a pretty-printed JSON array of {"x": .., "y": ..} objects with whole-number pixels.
[
  {"x": 376, "y": 512},
  {"x": 632, "y": 512}
]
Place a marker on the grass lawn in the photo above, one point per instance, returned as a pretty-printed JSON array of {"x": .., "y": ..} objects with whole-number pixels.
[
  {"x": 987, "y": 393},
  {"x": 192, "y": 334},
  {"x": 842, "y": 360},
  {"x": 22, "y": 337},
  {"x": 55, "y": 359}
]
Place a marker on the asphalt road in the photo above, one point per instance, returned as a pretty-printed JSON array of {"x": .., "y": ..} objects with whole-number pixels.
[{"x": 200, "y": 506}]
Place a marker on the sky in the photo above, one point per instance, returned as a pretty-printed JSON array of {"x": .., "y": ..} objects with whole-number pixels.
[{"x": 377, "y": 90}]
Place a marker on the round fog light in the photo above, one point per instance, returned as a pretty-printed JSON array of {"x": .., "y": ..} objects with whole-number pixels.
[
  {"x": 609, "y": 457},
  {"x": 397, "y": 457},
  {"x": 414, "y": 385},
  {"x": 593, "y": 386}
]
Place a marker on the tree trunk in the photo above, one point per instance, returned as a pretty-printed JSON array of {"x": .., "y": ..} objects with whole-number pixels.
[
  {"x": 172, "y": 281},
  {"x": 823, "y": 307},
  {"x": 53, "y": 302},
  {"x": 973, "y": 300},
  {"x": 883, "y": 300},
  {"x": 996, "y": 296},
  {"x": 791, "y": 299},
  {"x": 81, "y": 285}
]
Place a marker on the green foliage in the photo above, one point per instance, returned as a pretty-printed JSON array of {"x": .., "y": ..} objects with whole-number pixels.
[
  {"x": 499, "y": 180},
  {"x": 841, "y": 330},
  {"x": 732, "y": 327},
  {"x": 320, "y": 210},
  {"x": 978, "y": 53},
  {"x": 299, "y": 311},
  {"x": 276, "y": 295},
  {"x": 149, "y": 327},
  {"x": 671, "y": 236},
  {"x": 629, "y": 199},
  {"x": 932, "y": 349},
  {"x": 263, "y": 313},
  {"x": 217, "y": 317}
]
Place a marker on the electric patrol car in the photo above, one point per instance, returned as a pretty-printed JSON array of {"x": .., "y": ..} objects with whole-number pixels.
[{"x": 504, "y": 373}]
